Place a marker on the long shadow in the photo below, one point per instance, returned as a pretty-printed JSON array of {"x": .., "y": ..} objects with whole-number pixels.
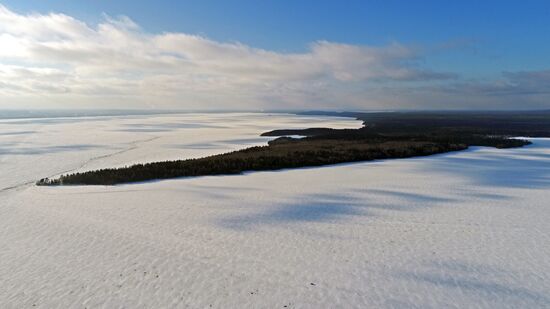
[
  {"x": 163, "y": 127},
  {"x": 53, "y": 121},
  {"x": 16, "y": 133},
  {"x": 330, "y": 207},
  {"x": 419, "y": 198},
  {"x": 310, "y": 209},
  {"x": 47, "y": 149},
  {"x": 478, "y": 281},
  {"x": 222, "y": 193},
  {"x": 411, "y": 197},
  {"x": 527, "y": 167}
]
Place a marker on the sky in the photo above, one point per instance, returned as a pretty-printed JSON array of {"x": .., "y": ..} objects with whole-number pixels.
[{"x": 275, "y": 55}]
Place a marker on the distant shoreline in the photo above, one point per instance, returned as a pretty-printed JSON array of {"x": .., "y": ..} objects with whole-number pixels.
[{"x": 8, "y": 114}]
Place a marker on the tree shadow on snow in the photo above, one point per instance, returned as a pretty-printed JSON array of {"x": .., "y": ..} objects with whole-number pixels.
[
  {"x": 331, "y": 207},
  {"x": 527, "y": 167},
  {"x": 488, "y": 285}
]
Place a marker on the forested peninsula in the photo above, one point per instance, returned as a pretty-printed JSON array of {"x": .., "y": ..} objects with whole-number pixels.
[{"x": 388, "y": 135}]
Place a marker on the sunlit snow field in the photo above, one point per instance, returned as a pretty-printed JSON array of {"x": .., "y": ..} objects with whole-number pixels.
[{"x": 464, "y": 229}]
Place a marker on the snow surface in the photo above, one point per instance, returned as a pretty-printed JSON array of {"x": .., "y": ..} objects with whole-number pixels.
[{"x": 464, "y": 229}]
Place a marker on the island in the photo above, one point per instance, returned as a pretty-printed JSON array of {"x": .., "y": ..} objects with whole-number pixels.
[{"x": 389, "y": 135}]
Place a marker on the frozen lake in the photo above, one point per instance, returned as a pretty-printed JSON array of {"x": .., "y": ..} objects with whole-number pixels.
[{"x": 464, "y": 229}]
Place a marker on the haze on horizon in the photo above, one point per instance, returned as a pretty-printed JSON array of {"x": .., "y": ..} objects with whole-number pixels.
[{"x": 275, "y": 55}]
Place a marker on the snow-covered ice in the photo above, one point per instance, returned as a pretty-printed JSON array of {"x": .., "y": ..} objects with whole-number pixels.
[{"x": 464, "y": 229}]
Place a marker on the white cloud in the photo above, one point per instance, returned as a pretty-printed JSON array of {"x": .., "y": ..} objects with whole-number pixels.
[{"x": 58, "y": 57}]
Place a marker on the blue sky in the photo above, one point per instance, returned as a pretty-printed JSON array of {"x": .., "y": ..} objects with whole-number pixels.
[{"x": 474, "y": 40}]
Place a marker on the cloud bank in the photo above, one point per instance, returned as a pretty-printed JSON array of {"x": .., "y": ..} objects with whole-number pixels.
[{"x": 57, "y": 60}]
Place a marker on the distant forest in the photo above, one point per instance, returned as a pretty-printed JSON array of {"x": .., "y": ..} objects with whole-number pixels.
[{"x": 383, "y": 136}]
